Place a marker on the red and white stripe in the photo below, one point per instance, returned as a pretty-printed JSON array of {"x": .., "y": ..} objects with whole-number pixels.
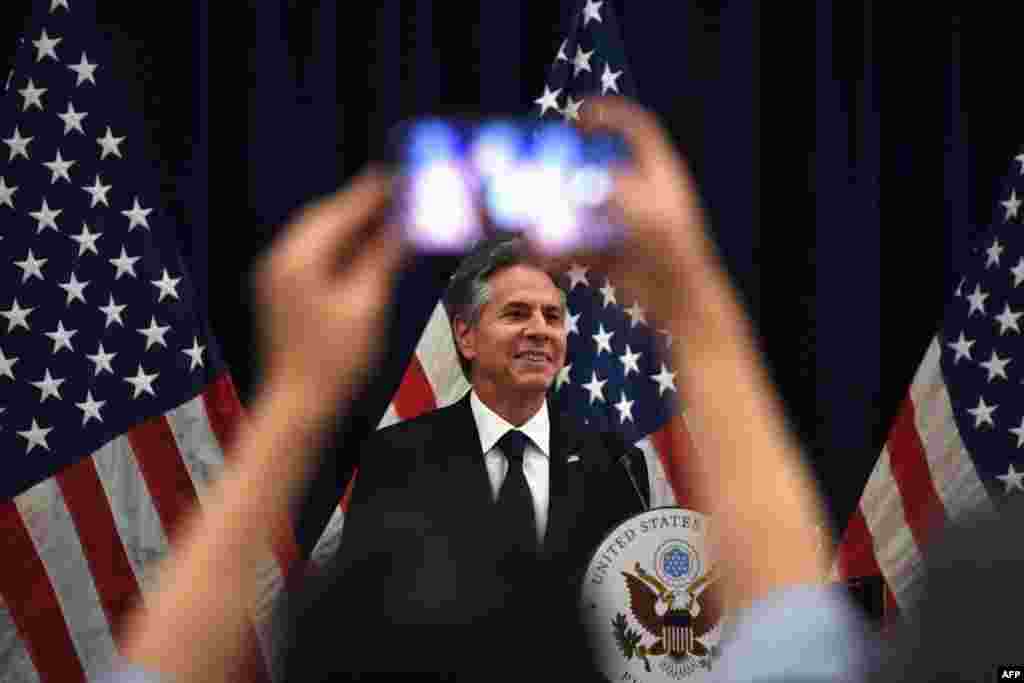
[
  {"x": 434, "y": 380},
  {"x": 923, "y": 478},
  {"x": 81, "y": 548}
]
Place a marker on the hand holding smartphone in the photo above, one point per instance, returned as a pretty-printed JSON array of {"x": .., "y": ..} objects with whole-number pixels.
[{"x": 462, "y": 179}]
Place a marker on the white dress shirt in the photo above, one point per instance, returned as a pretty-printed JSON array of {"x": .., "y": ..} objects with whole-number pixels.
[{"x": 491, "y": 428}]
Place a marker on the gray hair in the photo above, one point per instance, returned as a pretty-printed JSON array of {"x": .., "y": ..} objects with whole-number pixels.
[{"x": 469, "y": 290}]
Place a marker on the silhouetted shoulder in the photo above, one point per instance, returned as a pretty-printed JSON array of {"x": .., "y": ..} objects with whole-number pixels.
[{"x": 417, "y": 427}]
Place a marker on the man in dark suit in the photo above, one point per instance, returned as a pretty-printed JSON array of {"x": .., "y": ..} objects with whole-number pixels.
[
  {"x": 433, "y": 579},
  {"x": 441, "y": 567}
]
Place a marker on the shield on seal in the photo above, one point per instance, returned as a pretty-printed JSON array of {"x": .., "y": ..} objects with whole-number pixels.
[{"x": 677, "y": 632}]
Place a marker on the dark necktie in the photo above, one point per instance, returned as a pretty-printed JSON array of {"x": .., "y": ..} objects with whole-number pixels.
[{"x": 515, "y": 502}]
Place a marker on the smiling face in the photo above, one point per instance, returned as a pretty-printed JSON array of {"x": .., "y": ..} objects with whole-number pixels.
[{"x": 518, "y": 345}]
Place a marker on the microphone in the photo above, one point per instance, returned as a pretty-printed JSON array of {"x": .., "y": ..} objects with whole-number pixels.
[{"x": 623, "y": 453}]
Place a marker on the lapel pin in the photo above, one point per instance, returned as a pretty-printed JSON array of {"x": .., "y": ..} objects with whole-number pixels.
[{"x": 575, "y": 457}]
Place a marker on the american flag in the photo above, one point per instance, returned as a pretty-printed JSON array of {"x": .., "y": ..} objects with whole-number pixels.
[
  {"x": 955, "y": 446},
  {"x": 115, "y": 409},
  {"x": 617, "y": 374}
]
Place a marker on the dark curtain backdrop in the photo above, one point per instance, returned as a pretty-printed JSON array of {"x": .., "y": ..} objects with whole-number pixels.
[{"x": 847, "y": 154}]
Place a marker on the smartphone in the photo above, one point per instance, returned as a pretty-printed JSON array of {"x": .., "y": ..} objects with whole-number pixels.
[{"x": 460, "y": 180}]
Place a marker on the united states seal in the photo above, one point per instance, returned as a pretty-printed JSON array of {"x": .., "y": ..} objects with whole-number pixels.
[{"x": 650, "y": 601}]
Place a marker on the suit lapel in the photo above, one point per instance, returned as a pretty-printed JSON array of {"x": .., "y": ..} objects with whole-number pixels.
[
  {"x": 565, "y": 500},
  {"x": 456, "y": 451}
]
